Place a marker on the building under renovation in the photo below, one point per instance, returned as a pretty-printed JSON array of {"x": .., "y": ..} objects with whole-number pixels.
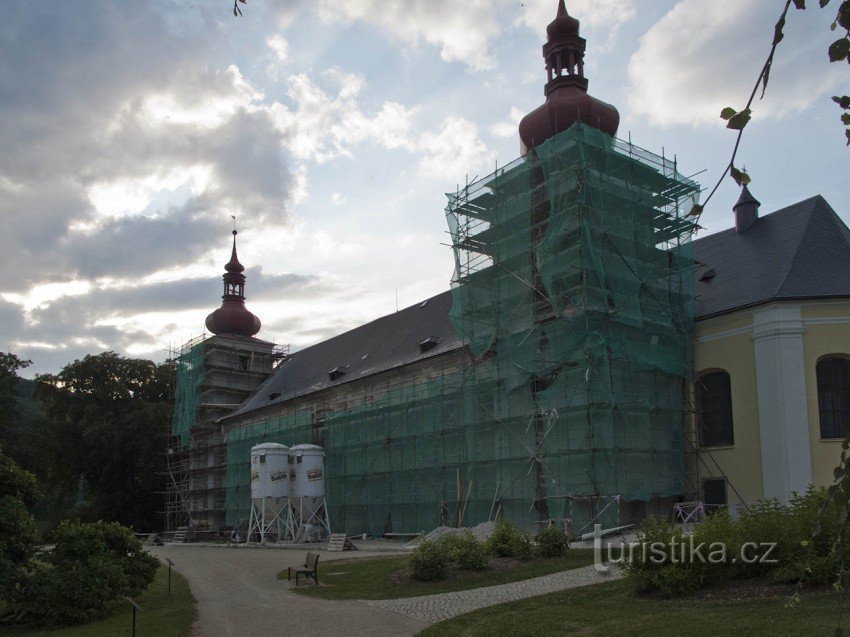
[{"x": 551, "y": 383}]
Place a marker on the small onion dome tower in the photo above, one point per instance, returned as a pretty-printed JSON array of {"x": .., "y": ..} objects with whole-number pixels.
[
  {"x": 233, "y": 318},
  {"x": 567, "y": 100}
]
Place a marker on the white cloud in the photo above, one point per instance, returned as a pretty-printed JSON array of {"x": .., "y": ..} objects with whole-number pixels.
[
  {"x": 454, "y": 150},
  {"x": 508, "y": 127},
  {"x": 324, "y": 126},
  {"x": 462, "y": 30},
  {"x": 704, "y": 55},
  {"x": 279, "y": 46}
]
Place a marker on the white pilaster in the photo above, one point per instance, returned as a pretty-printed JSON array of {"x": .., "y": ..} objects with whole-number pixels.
[{"x": 783, "y": 412}]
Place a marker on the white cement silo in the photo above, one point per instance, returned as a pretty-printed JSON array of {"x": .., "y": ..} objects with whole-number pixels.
[
  {"x": 271, "y": 514},
  {"x": 307, "y": 473}
]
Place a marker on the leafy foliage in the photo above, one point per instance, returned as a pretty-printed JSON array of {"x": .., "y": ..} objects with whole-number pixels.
[
  {"x": 551, "y": 542},
  {"x": 18, "y": 533},
  {"x": 465, "y": 551},
  {"x": 657, "y": 564},
  {"x": 429, "y": 561},
  {"x": 91, "y": 566},
  {"x": 10, "y": 413},
  {"x": 105, "y": 419}
]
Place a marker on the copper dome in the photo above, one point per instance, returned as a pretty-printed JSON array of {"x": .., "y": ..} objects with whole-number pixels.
[
  {"x": 567, "y": 100},
  {"x": 233, "y": 318}
]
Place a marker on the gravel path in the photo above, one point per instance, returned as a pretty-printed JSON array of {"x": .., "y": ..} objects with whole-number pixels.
[
  {"x": 238, "y": 594},
  {"x": 435, "y": 608}
]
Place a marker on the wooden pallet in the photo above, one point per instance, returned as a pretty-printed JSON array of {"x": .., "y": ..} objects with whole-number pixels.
[
  {"x": 339, "y": 542},
  {"x": 180, "y": 534}
]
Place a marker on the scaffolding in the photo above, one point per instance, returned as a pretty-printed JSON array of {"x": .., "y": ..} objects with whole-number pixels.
[
  {"x": 214, "y": 376},
  {"x": 573, "y": 293}
]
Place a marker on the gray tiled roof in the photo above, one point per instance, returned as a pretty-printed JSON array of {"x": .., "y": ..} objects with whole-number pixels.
[
  {"x": 798, "y": 252},
  {"x": 385, "y": 343}
]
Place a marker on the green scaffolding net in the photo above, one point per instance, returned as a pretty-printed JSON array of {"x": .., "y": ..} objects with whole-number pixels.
[
  {"x": 187, "y": 393},
  {"x": 573, "y": 291}
]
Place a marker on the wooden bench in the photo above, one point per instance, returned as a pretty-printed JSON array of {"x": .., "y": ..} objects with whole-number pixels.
[{"x": 310, "y": 569}]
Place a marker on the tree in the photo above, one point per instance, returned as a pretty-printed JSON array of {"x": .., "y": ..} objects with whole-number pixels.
[
  {"x": 106, "y": 420},
  {"x": 9, "y": 406},
  {"x": 18, "y": 532}
]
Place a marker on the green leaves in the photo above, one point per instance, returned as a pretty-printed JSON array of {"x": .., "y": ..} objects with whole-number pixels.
[
  {"x": 741, "y": 178},
  {"x": 800, "y": 4},
  {"x": 777, "y": 30},
  {"x": 736, "y": 120},
  {"x": 843, "y": 100},
  {"x": 696, "y": 210},
  {"x": 839, "y": 49}
]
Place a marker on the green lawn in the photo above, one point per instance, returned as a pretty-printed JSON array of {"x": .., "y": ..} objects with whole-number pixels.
[
  {"x": 161, "y": 616},
  {"x": 370, "y": 578},
  {"x": 611, "y": 609}
]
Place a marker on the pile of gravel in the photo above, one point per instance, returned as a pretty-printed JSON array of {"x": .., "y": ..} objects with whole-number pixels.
[{"x": 480, "y": 532}]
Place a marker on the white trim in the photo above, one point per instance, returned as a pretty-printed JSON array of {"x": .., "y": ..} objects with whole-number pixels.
[
  {"x": 782, "y": 402},
  {"x": 827, "y": 320}
]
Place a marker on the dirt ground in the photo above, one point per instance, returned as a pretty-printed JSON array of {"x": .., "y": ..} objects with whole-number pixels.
[{"x": 238, "y": 594}]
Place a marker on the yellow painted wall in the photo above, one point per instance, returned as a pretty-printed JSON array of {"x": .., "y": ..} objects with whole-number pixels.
[
  {"x": 726, "y": 343},
  {"x": 821, "y": 338}
]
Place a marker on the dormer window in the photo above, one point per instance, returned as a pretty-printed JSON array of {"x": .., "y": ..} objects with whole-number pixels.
[
  {"x": 428, "y": 344},
  {"x": 336, "y": 373}
]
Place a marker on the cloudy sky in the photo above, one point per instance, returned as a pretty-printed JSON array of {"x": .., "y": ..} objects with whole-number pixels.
[{"x": 132, "y": 131}]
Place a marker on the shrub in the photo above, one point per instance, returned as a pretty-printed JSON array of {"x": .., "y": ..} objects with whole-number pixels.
[
  {"x": 428, "y": 562},
  {"x": 504, "y": 541},
  {"x": 799, "y": 554},
  {"x": 552, "y": 542},
  {"x": 18, "y": 532},
  {"x": 465, "y": 550},
  {"x": 90, "y": 566},
  {"x": 523, "y": 550}
]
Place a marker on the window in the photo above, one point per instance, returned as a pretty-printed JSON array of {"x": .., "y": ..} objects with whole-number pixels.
[
  {"x": 833, "y": 376},
  {"x": 714, "y": 409},
  {"x": 714, "y": 492}
]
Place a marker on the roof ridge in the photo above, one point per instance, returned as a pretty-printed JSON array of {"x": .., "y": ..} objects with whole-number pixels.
[
  {"x": 732, "y": 229},
  {"x": 815, "y": 200}
]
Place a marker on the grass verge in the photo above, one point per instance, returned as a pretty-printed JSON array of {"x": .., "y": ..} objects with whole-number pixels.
[
  {"x": 611, "y": 609},
  {"x": 371, "y": 578},
  {"x": 161, "y": 616}
]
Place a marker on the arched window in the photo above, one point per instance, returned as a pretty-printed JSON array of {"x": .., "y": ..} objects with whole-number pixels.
[
  {"x": 714, "y": 409},
  {"x": 833, "y": 374}
]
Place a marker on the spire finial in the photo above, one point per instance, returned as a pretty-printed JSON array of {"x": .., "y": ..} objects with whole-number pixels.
[{"x": 562, "y": 9}]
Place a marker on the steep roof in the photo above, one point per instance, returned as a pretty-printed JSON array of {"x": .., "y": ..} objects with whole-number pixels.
[
  {"x": 798, "y": 252},
  {"x": 385, "y": 343}
]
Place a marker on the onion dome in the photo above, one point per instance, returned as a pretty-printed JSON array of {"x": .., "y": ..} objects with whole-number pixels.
[
  {"x": 233, "y": 318},
  {"x": 567, "y": 100}
]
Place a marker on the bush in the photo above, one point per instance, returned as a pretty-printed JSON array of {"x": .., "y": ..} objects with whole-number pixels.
[
  {"x": 465, "y": 550},
  {"x": 504, "y": 541},
  {"x": 428, "y": 562},
  {"x": 798, "y": 554},
  {"x": 18, "y": 532},
  {"x": 523, "y": 550},
  {"x": 90, "y": 566},
  {"x": 552, "y": 542}
]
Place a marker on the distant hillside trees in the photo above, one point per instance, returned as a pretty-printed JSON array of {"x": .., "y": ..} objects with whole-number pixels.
[{"x": 104, "y": 428}]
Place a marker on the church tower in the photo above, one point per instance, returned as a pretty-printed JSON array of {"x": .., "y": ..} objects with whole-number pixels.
[
  {"x": 215, "y": 375},
  {"x": 567, "y": 99}
]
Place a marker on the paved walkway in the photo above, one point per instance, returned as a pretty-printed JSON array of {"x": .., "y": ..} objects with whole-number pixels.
[
  {"x": 435, "y": 608},
  {"x": 238, "y": 594}
]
